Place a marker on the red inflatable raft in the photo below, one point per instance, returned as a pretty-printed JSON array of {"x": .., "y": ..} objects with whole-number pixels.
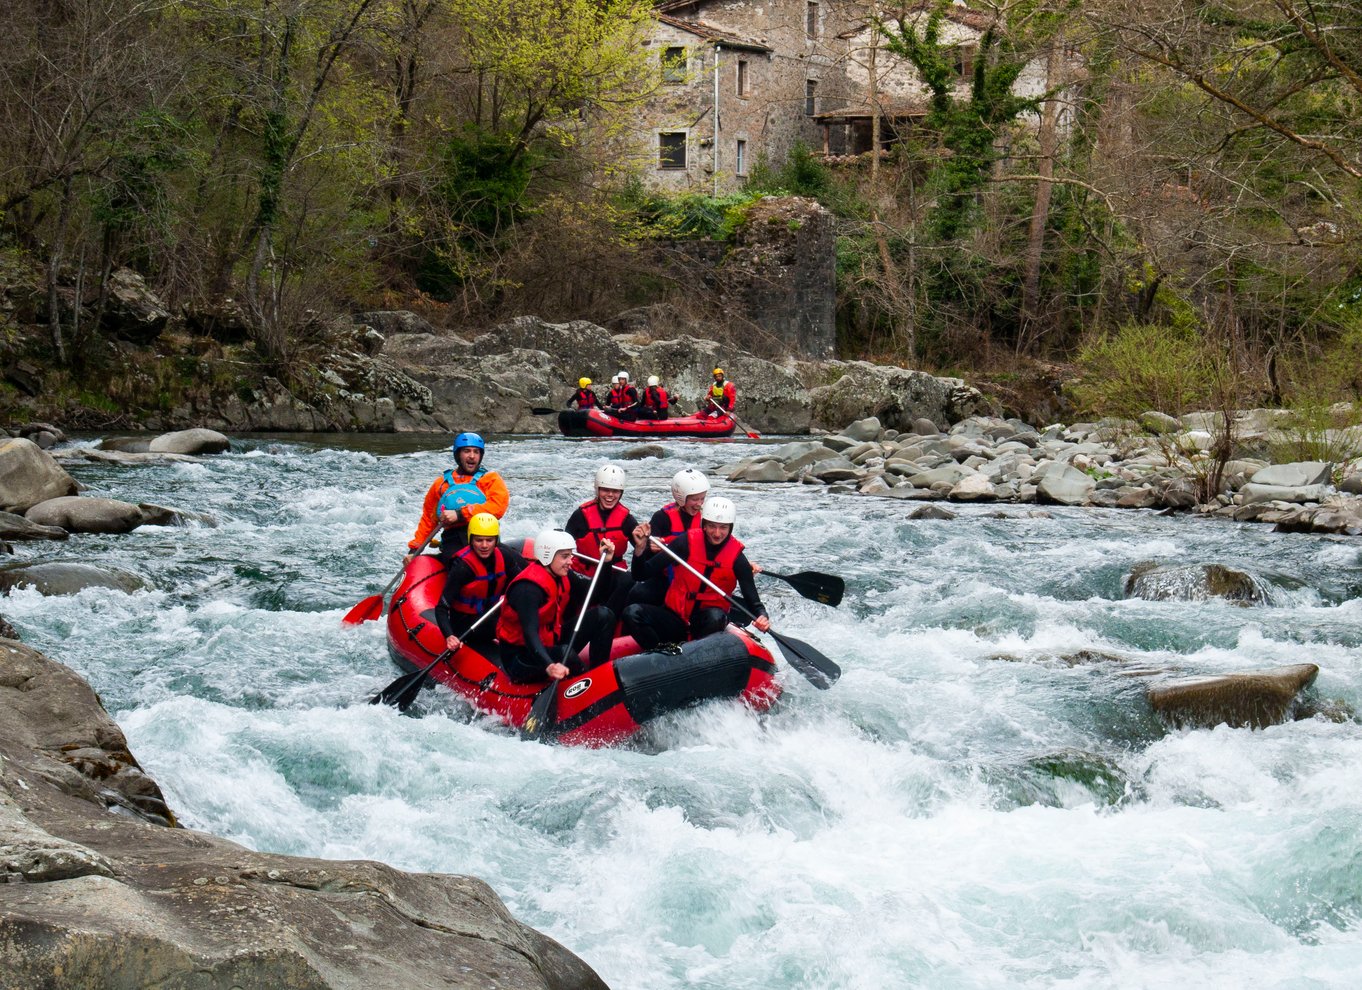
[
  {"x": 603, "y": 706},
  {"x": 595, "y": 423}
]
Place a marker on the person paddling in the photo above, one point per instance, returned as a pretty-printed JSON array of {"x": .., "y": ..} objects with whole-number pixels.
[
  {"x": 539, "y": 603},
  {"x": 691, "y": 609},
  {"x": 458, "y": 495},
  {"x": 652, "y": 404},
  {"x": 476, "y": 580},
  {"x": 584, "y": 397},
  {"x": 720, "y": 394},
  {"x": 680, "y": 515}
]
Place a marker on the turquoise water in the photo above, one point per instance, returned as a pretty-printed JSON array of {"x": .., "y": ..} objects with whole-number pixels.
[{"x": 965, "y": 808}]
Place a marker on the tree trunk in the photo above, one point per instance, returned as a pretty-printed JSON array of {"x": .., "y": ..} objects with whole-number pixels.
[
  {"x": 1040, "y": 213},
  {"x": 54, "y": 262}
]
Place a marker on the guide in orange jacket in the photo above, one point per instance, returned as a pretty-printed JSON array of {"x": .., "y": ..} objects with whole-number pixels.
[{"x": 458, "y": 495}]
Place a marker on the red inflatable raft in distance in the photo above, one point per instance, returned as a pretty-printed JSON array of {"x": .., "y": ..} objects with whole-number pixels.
[
  {"x": 595, "y": 423},
  {"x": 607, "y": 704}
]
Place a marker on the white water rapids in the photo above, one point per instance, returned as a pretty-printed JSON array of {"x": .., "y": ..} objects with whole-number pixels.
[{"x": 964, "y": 809}]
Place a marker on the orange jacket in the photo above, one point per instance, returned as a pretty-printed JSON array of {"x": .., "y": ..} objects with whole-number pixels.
[{"x": 491, "y": 485}]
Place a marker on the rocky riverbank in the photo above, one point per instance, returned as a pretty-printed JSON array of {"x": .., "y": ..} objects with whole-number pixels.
[
  {"x": 100, "y": 888},
  {"x": 1104, "y": 465}
]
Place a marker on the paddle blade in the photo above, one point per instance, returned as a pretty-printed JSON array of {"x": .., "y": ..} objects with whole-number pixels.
[
  {"x": 821, "y": 672},
  {"x": 366, "y": 611},
  {"x": 542, "y": 411},
  {"x": 824, "y": 588},
  {"x": 390, "y": 694},
  {"x": 543, "y": 713},
  {"x": 753, "y": 434}
]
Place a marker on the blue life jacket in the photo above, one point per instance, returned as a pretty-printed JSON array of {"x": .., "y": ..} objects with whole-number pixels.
[{"x": 461, "y": 493}]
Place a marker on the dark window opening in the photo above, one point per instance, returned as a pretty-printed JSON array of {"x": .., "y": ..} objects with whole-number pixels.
[
  {"x": 671, "y": 150},
  {"x": 674, "y": 65}
]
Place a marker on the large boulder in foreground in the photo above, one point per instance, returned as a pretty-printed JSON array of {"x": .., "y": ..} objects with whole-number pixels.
[
  {"x": 1255, "y": 699},
  {"x": 29, "y": 475},
  {"x": 124, "y": 901}
]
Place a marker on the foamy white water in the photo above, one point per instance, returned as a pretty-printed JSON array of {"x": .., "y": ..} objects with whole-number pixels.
[{"x": 963, "y": 809}]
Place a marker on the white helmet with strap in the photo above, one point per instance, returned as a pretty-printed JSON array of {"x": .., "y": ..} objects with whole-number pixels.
[
  {"x": 610, "y": 476},
  {"x": 719, "y": 510},
  {"x": 688, "y": 482},
  {"x": 549, "y": 543}
]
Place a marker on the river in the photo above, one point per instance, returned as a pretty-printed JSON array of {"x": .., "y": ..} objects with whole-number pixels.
[{"x": 969, "y": 807}]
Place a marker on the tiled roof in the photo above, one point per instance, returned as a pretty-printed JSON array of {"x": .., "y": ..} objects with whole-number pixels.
[{"x": 711, "y": 33}]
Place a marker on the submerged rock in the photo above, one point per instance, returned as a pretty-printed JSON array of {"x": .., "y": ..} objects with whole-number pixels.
[
  {"x": 67, "y": 578},
  {"x": 1194, "y": 583},
  {"x": 1256, "y": 699}
]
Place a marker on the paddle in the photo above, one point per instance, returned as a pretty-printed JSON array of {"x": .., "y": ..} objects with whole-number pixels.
[
  {"x": 819, "y": 670},
  {"x": 753, "y": 434},
  {"x": 403, "y": 691},
  {"x": 824, "y": 588},
  {"x": 372, "y": 607},
  {"x": 544, "y": 711},
  {"x": 542, "y": 411}
]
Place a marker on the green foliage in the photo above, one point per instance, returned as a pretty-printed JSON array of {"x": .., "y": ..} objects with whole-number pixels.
[
  {"x": 1146, "y": 366},
  {"x": 485, "y": 179},
  {"x": 691, "y": 216}
]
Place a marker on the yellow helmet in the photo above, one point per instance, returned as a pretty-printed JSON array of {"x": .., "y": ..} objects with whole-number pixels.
[
  {"x": 583, "y": 382},
  {"x": 718, "y": 371},
  {"x": 484, "y": 524}
]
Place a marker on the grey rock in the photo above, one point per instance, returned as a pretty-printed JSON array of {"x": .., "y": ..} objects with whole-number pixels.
[
  {"x": 931, "y": 512},
  {"x": 1064, "y": 485},
  {"x": 53, "y": 578},
  {"x": 76, "y": 514},
  {"x": 643, "y": 452},
  {"x": 29, "y": 475},
  {"x": 949, "y": 475},
  {"x": 14, "y": 527},
  {"x": 973, "y": 488},
  {"x": 139, "y": 904},
  {"x": 924, "y": 428},
  {"x": 195, "y": 441},
  {"x": 1139, "y": 498},
  {"x": 761, "y": 471},
  {"x": 1301, "y": 474},
  {"x": 1159, "y": 423},
  {"x": 864, "y": 429},
  {"x": 1253, "y": 493}
]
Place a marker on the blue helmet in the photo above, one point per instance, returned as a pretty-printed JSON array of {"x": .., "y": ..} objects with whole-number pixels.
[{"x": 468, "y": 440}]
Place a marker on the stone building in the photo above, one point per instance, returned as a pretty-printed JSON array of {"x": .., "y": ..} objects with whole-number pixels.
[{"x": 781, "y": 73}]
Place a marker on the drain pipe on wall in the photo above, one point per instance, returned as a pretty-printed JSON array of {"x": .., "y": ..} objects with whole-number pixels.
[{"x": 716, "y": 120}]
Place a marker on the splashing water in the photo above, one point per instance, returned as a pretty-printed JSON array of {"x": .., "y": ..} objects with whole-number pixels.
[{"x": 968, "y": 807}]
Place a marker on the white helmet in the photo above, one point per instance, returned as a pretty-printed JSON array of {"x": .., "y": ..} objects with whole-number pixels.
[
  {"x": 719, "y": 510},
  {"x": 610, "y": 476},
  {"x": 614, "y": 379},
  {"x": 654, "y": 381},
  {"x": 688, "y": 482},
  {"x": 548, "y": 543},
  {"x": 624, "y": 376}
]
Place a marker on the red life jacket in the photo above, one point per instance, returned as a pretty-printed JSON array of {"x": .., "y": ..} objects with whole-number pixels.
[
  {"x": 602, "y": 527},
  {"x": 585, "y": 398},
  {"x": 678, "y": 521},
  {"x": 486, "y": 585},
  {"x": 550, "y": 613},
  {"x": 655, "y": 397},
  {"x": 687, "y": 592}
]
